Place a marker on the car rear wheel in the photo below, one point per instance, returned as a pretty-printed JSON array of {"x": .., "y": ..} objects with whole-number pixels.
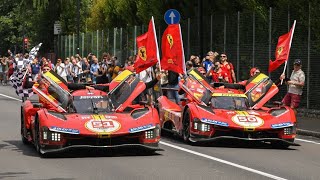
[{"x": 186, "y": 126}]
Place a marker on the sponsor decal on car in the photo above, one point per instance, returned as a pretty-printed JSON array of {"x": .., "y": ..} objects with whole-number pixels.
[
  {"x": 243, "y": 118},
  {"x": 141, "y": 128},
  {"x": 281, "y": 125},
  {"x": 229, "y": 95},
  {"x": 91, "y": 97},
  {"x": 100, "y": 124},
  {"x": 215, "y": 122},
  {"x": 64, "y": 130}
]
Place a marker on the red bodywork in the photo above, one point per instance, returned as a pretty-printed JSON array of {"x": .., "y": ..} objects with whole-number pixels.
[
  {"x": 199, "y": 119},
  {"x": 101, "y": 125}
]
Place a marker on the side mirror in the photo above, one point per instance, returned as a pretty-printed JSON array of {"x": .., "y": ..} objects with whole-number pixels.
[{"x": 37, "y": 105}]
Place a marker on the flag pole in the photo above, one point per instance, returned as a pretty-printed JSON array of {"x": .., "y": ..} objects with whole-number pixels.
[
  {"x": 158, "y": 55},
  {"x": 285, "y": 65},
  {"x": 156, "y": 40},
  {"x": 183, "y": 57}
]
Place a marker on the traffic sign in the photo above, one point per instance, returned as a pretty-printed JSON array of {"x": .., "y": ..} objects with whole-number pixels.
[
  {"x": 57, "y": 28},
  {"x": 172, "y": 16}
]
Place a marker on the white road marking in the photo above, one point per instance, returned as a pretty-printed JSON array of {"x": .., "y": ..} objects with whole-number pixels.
[
  {"x": 223, "y": 161},
  {"x": 303, "y": 140},
  {"x": 10, "y": 97}
]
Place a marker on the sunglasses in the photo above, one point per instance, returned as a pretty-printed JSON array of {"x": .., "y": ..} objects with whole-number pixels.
[{"x": 223, "y": 56}]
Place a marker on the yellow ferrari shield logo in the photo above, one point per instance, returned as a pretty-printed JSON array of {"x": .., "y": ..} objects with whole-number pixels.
[
  {"x": 142, "y": 53},
  {"x": 279, "y": 51},
  {"x": 170, "y": 40}
]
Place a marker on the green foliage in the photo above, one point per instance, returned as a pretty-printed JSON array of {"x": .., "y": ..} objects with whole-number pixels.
[{"x": 35, "y": 18}]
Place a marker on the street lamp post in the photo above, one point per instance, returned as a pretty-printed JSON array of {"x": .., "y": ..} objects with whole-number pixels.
[{"x": 78, "y": 26}]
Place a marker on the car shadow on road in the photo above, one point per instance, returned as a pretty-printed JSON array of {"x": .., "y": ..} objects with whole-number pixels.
[
  {"x": 29, "y": 150},
  {"x": 18, "y": 146},
  {"x": 89, "y": 153},
  {"x": 226, "y": 143}
]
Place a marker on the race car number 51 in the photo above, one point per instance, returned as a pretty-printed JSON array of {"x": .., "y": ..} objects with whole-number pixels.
[{"x": 103, "y": 126}]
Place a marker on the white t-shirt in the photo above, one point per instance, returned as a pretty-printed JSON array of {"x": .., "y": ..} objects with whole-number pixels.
[
  {"x": 296, "y": 76},
  {"x": 146, "y": 75},
  {"x": 61, "y": 70}
]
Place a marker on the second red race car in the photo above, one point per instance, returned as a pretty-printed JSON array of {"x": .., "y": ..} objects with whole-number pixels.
[
  {"x": 90, "y": 118},
  {"x": 229, "y": 112}
]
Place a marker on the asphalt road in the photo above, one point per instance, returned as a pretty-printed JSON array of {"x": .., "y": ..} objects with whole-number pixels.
[{"x": 177, "y": 161}]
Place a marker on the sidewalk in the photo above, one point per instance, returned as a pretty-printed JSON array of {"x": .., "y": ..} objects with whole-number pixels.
[{"x": 308, "y": 122}]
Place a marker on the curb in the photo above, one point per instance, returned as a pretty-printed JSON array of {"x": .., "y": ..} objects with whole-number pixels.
[{"x": 308, "y": 133}]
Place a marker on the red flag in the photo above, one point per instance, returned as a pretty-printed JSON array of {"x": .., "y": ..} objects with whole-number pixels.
[
  {"x": 282, "y": 50},
  {"x": 172, "y": 49},
  {"x": 148, "y": 53}
]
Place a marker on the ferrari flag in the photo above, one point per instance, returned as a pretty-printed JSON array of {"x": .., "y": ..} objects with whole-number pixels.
[
  {"x": 282, "y": 50},
  {"x": 148, "y": 52},
  {"x": 172, "y": 49}
]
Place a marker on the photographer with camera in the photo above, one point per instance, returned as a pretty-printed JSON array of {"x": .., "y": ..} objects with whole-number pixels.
[{"x": 218, "y": 75}]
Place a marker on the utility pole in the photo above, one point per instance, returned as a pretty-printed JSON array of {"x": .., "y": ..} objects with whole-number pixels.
[
  {"x": 200, "y": 27},
  {"x": 78, "y": 26}
]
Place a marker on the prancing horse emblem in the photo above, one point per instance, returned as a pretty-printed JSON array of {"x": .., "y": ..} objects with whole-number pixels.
[
  {"x": 142, "y": 53},
  {"x": 170, "y": 40}
]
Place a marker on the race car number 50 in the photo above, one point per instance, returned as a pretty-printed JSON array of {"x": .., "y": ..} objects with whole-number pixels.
[{"x": 247, "y": 120}]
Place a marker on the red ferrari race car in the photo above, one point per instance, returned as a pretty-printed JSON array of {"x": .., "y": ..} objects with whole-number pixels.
[
  {"x": 209, "y": 113},
  {"x": 90, "y": 118}
]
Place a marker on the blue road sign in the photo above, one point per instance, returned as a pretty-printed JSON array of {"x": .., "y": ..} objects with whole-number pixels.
[{"x": 172, "y": 16}]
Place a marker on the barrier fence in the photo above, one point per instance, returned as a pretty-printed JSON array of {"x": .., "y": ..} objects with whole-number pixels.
[{"x": 248, "y": 38}]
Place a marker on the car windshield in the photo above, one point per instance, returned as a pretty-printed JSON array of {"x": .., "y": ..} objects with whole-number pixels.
[
  {"x": 91, "y": 104},
  {"x": 229, "y": 102}
]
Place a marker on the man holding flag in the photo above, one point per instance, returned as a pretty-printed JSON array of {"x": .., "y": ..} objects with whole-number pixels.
[
  {"x": 296, "y": 83},
  {"x": 297, "y": 78},
  {"x": 173, "y": 58}
]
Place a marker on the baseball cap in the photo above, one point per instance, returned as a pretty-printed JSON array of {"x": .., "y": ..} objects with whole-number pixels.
[{"x": 297, "y": 61}]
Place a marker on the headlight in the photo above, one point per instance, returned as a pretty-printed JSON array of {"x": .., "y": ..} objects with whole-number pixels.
[
  {"x": 149, "y": 134},
  {"x": 289, "y": 130},
  {"x": 49, "y": 135},
  {"x": 153, "y": 133},
  {"x": 55, "y": 136},
  {"x": 198, "y": 125}
]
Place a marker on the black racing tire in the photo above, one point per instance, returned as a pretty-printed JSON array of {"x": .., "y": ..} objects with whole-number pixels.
[
  {"x": 36, "y": 135},
  {"x": 37, "y": 138},
  {"x": 186, "y": 126},
  {"x": 23, "y": 129}
]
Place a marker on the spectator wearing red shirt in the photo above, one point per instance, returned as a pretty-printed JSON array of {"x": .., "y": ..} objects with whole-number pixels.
[
  {"x": 218, "y": 74},
  {"x": 228, "y": 68}
]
